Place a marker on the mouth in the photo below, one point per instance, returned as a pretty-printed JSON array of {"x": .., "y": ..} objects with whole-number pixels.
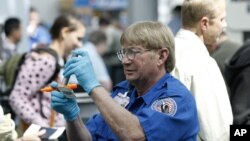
[{"x": 127, "y": 71}]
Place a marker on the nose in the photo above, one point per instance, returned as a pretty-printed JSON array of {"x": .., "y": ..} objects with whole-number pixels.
[
  {"x": 125, "y": 60},
  {"x": 79, "y": 44}
]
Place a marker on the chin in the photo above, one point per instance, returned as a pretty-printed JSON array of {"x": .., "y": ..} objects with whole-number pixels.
[{"x": 130, "y": 78}]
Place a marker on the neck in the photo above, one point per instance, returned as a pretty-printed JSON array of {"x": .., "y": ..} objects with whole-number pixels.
[
  {"x": 12, "y": 40},
  {"x": 144, "y": 85},
  {"x": 195, "y": 31},
  {"x": 58, "y": 47}
]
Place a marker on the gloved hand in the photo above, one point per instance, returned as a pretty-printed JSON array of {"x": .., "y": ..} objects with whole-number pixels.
[
  {"x": 66, "y": 106},
  {"x": 82, "y": 68}
]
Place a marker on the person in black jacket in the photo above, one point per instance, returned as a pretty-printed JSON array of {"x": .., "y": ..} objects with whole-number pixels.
[{"x": 237, "y": 76}]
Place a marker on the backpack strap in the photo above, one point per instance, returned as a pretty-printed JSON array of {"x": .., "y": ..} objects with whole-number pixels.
[{"x": 43, "y": 48}]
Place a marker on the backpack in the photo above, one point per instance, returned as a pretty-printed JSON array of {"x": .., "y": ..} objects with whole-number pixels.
[{"x": 9, "y": 70}]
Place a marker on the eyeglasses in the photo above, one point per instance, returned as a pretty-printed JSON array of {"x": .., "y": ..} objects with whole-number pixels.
[{"x": 129, "y": 52}]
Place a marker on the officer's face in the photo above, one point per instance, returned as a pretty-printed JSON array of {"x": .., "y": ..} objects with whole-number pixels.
[{"x": 139, "y": 64}]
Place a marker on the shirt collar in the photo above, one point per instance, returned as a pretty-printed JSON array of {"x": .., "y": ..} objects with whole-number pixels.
[
  {"x": 198, "y": 45},
  {"x": 8, "y": 45},
  {"x": 150, "y": 95}
]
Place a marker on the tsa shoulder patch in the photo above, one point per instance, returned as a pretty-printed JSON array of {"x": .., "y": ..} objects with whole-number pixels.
[{"x": 166, "y": 105}]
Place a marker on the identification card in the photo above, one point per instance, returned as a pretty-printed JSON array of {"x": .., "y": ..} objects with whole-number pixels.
[{"x": 122, "y": 99}]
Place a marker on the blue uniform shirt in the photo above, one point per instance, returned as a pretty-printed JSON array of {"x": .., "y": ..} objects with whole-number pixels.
[{"x": 166, "y": 112}]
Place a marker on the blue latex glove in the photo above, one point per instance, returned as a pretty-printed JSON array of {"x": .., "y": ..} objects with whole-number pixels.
[
  {"x": 82, "y": 68},
  {"x": 66, "y": 106}
]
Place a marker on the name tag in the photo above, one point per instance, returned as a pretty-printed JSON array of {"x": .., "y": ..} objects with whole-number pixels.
[{"x": 122, "y": 99}]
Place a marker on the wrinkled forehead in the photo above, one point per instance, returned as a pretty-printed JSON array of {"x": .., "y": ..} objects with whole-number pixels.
[
  {"x": 133, "y": 38},
  {"x": 130, "y": 41},
  {"x": 132, "y": 46}
]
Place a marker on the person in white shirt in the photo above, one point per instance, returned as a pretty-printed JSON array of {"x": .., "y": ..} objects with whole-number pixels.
[
  {"x": 202, "y": 23},
  {"x": 12, "y": 36}
]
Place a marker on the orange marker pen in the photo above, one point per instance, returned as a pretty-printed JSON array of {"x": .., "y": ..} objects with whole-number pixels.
[{"x": 50, "y": 89}]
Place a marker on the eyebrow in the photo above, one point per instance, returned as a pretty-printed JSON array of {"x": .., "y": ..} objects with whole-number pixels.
[{"x": 133, "y": 48}]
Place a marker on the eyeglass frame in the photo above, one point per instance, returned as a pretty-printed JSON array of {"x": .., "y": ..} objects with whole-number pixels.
[{"x": 121, "y": 55}]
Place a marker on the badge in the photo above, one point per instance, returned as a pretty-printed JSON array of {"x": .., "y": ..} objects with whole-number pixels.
[
  {"x": 122, "y": 99},
  {"x": 166, "y": 105}
]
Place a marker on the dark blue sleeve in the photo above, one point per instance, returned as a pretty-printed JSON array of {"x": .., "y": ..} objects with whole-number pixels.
[
  {"x": 97, "y": 126},
  {"x": 183, "y": 125},
  {"x": 92, "y": 126}
]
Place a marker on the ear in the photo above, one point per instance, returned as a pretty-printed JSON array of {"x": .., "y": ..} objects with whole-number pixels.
[
  {"x": 64, "y": 32},
  {"x": 163, "y": 56},
  {"x": 204, "y": 23}
]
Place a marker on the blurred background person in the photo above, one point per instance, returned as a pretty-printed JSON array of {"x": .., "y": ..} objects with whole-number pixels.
[
  {"x": 37, "y": 31},
  {"x": 99, "y": 39},
  {"x": 96, "y": 47},
  {"x": 237, "y": 76},
  {"x": 223, "y": 50},
  {"x": 113, "y": 43},
  {"x": 26, "y": 99},
  {"x": 12, "y": 35},
  {"x": 175, "y": 19},
  {"x": 202, "y": 23}
]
